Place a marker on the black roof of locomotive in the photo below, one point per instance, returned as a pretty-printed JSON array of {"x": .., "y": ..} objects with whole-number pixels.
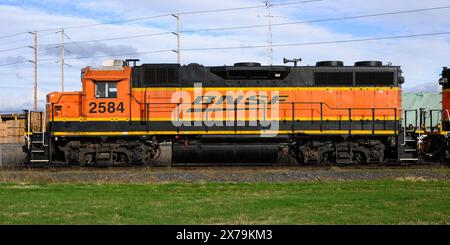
[
  {"x": 175, "y": 75},
  {"x": 262, "y": 67}
]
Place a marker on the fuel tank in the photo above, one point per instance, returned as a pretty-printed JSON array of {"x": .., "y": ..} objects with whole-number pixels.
[{"x": 227, "y": 150}]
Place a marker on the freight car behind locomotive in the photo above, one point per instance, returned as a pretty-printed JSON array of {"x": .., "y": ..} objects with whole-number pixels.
[{"x": 328, "y": 113}]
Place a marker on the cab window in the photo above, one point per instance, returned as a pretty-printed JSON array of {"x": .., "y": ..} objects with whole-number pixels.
[{"x": 105, "y": 89}]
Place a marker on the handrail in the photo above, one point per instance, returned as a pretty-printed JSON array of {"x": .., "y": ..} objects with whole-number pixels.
[
  {"x": 44, "y": 124},
  {"x": 421, "y": 118},
  {"x": 293, "y": 109},
  {"x": 28, "y": 129},
  {"x": 431, "y": 117}
]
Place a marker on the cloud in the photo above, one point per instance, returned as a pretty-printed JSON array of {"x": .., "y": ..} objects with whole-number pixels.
[
  {"x": 19, "y": 76},
  {"x": 12, "y": 59},
  {"x": 429, "y": 87},
  {"x": 20, "y": 99},
  {"x": 90, "y": 49}
]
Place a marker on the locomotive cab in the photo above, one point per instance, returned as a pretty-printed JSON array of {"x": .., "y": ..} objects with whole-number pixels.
[{"x": 106, "y": 92}]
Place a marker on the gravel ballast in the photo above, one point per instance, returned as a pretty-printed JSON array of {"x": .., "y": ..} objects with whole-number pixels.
[{"x": 221, "y": 174}]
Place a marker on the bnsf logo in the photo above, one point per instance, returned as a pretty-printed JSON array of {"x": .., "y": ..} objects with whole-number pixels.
[{"x": 231, "y": 100}]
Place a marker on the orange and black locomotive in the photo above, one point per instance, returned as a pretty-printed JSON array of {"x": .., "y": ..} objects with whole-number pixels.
[{"x": 245, "y": 113}]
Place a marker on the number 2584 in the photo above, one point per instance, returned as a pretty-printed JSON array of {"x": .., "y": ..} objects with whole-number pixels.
[{"x": 103, "y": 107}]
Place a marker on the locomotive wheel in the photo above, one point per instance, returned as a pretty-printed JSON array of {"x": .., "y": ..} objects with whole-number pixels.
[
  {"x": 122, "y": 159},
  {"x": 360, "y": 158},
  {"x": 300, "y": 158},
  {"x": 86, "y": 160},
  {"x": 328, "y": 159},
  {"x": 152, "y": 155}
]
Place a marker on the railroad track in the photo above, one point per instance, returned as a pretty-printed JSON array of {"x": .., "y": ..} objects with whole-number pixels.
[{"x": 63, "y": 167}]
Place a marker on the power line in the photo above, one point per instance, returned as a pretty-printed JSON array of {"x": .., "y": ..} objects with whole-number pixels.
[
  {"x": 105, "y": 23},
  {"x": 166, "y": 15},
  {"x": 189, "y": 13},
  {"x": 27, "y": 61},
  {"x": 249, "y": 7},
  {"x": 261, "y": 25},
  {"x": 293, "y": 3},
  {"x": 16, "y": 41},
  {"x": 111, "y": 39},
  {"x": 265, "y": 46},
  {"x": 13, "y": 35},
  {"x": 76, "y": 44},
  {"x": 21, "y": 40},
  {"x": 25, "y": 39},
  {"x": 318, "y": 20},
  {"x": 252, "y": 26},
  {"x": 114, "y": 55},
  {"x": 11, "y": 49},
  {"x": 324, "y": 42},
  {"x": 14, "y": 63}
]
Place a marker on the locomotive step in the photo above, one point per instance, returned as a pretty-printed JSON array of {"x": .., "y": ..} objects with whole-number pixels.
[
  {"x": 409, "y": 150},
  {"x": 39, "y": 161},
  {"x": 410, "y": 131},
  {"x": 410, "y": 140},
  {"x": 408, "y": 159},
  {"x": 37, "y": 151}
]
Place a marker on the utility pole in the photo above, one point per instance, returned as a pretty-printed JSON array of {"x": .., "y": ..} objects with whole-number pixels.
[
  {"x": 62, "y": 60},
  {"x": 35, "y": 73},
  {"x": 35, "y": 70},
  {"x": 177, "y": 16},
  {"x": 269, "y": 16},
  {"x": 269, "y": 6}
]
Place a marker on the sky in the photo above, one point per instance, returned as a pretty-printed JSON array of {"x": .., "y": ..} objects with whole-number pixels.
[{"x": 421, "y": 58}]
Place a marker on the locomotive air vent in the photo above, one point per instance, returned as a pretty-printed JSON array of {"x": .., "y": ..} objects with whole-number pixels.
[
  {"x": 369, "y": 63},
  {"x": 330, "y": 63},
  {"x": 247, "y": 64}
]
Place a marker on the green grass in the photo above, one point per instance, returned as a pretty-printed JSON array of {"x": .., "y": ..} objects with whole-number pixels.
[{"x": 340, "y": 202}]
